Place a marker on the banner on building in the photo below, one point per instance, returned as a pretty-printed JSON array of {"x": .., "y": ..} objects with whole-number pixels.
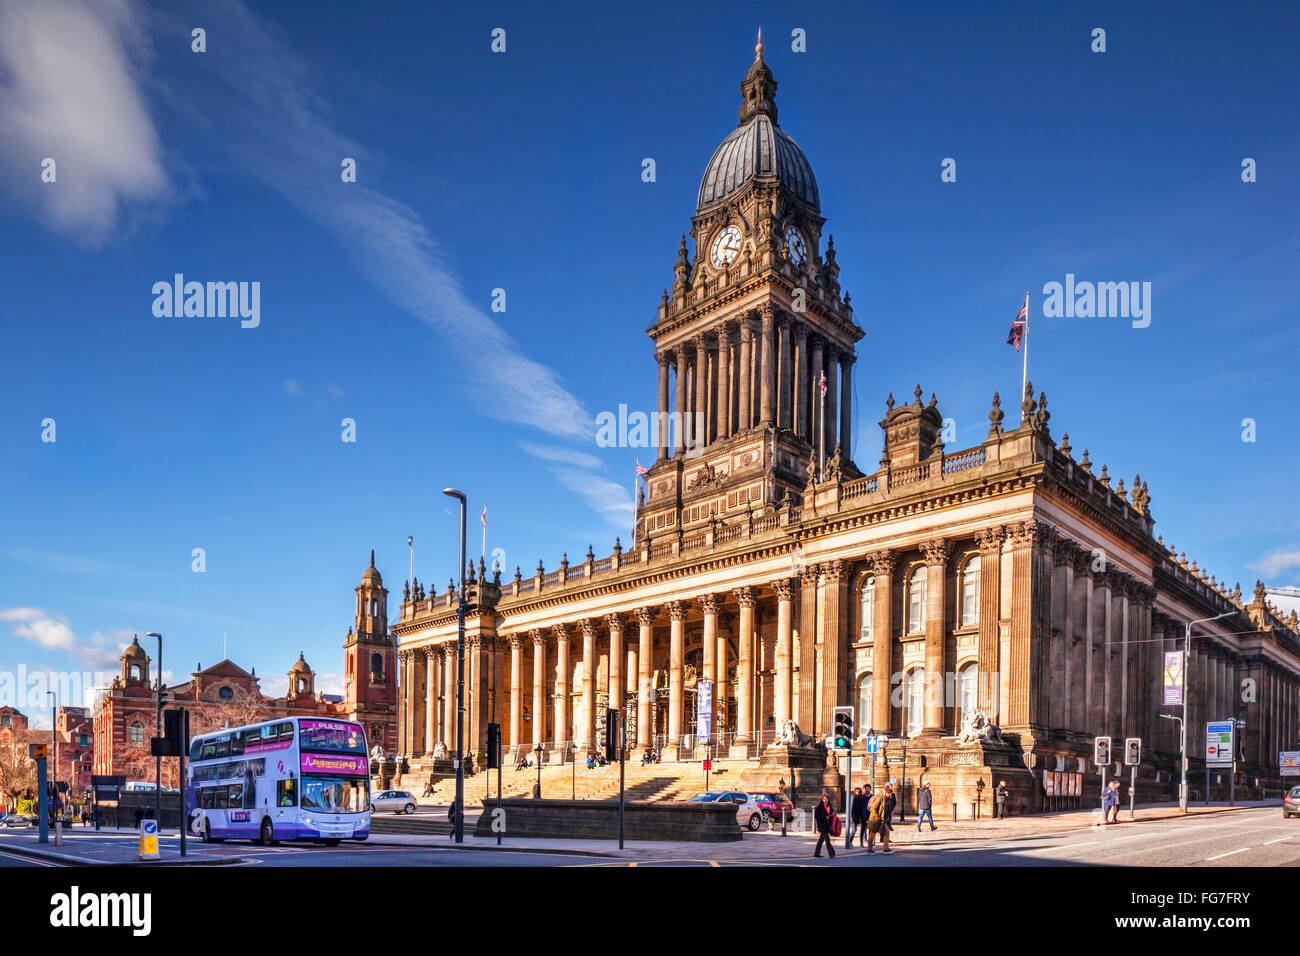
[
  {"x": 704, "y": 709},
  {"x": 1173, "y": 677}
]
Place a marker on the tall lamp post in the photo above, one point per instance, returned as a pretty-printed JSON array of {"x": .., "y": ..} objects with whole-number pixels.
[
  {"x": 460, "y": 675},
  {"x": 157, "y": 732},
  {"x": 54, "y": 743},
  {"x": 1187, "y": 641}
]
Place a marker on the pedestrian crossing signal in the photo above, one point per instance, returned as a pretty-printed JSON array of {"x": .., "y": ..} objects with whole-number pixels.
[
  {"x": 1101, "y": 751},
  {"x": 494, "y": 746},
  {"x": 843, "y": 728}
]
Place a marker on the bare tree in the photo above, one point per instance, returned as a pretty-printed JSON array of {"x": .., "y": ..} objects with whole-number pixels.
[{"x": 17, "y": 769}]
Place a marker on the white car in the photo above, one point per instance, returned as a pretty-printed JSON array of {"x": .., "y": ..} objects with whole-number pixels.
[
  {"x": 748, "y": 812},
  {"x": 399, "y": 801}
]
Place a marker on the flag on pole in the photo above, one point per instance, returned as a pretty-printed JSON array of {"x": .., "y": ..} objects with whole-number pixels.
[
  {"x": 1018, "y": 326},
  {"x": 641, "y": 469},
  {"x": 822, "y": 384},
  {"x": 483, "y": 517}
]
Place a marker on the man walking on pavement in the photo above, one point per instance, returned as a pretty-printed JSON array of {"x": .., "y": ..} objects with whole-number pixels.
[
  {"x": 878, "y": 814},
  {"x": 858, "y": 817},
  {"x": 822, "y": 816},
  {"x": 925, "y": 804},
  {"x": 1000, "y": 797}
]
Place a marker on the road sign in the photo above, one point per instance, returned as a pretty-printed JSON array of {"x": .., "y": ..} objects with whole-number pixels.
[
  {"x": 38, "y": 751},
  {"x": 1218, "y": 743},
  {"x": 708, "y": 765},
  {"x": 704, "y": 709},
  {"x": 148, "y": 840},
  {"x": 873, "y": 745},
  {"x": 1290, "y": 762}
]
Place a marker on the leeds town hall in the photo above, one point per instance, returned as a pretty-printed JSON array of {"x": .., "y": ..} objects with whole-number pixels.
[{"x": 791, "y": 572}]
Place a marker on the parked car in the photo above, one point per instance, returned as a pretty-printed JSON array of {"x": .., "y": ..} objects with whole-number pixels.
[
  {"x": 399, "y": 801},
  {"x": 748, "y": 812},
  {"x": 14, "y": 821},
  {"x": 771, "y": 804},
  {"x": 1291, "y": 803}
]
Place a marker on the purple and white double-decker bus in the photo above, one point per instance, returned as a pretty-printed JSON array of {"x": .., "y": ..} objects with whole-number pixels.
[{"x": 292, "y": 778}]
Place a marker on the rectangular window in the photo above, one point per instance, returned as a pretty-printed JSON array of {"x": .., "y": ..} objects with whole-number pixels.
[{"x": 286, "y": 793}]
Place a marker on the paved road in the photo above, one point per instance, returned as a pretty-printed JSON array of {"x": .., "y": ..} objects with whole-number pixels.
[{"x": 1248, "y": 837}]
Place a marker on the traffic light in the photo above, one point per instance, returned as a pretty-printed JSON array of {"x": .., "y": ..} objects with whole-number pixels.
[
  {"x": 611, "y": 734},
  {"x": 1132, "y": 751},
  {"x": 176, "y": 731},
  {"x": 843, "y": 724},
  {"x": 38, "y": 751},
  {"x": 1101, "y": 751},
  {"x": 494, "y": 746}
]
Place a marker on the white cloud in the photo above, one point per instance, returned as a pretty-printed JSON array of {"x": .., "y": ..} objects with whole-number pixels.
[
  {"x": 608, "y": 498},
  {"x": 1272, "y": 565},
  {"x": 334, "y": 390},
  {"x": 291, "y": 387},
  {"x": 69, "y": 91},
  {"x": 563, "y": 456},
  {"x": 33, "y": 624}
]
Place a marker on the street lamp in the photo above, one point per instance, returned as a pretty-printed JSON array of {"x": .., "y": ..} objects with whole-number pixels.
[
  {"x": 902, "y": 784},
  {"x": 157, "y": 732},
  {"x": 460, "y": 675},
  {"x": 1187, "y": 641},
  {"x": 54, "y": 743},
  {"x": 537, "y": 751}
]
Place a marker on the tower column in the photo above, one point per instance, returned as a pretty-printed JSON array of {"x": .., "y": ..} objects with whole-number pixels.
[
  {"x": 802, "y": 391},
  {"x": 766, "y": 372},
  {"x": 662, "y": 431},
  {"x": 679, "y": 439},
  {"x": 846, "y": 407},
  {"x": 701, "y": 390},
  {"x": 539, "y": 686},
  {"x": 449, "y": 696},
  {"x": 784, "y": 703},
  {"x": 430, "y": 699},
  {"x": 516, "y": 690},
  {"x": 588, "y": 742},
  {"x": 816, "y": 429},
  {"x": 724, "y": 384},
  {"x": 747, "y": 598},
  {"x": 828, "y": 426},
  {"x": 645, "y": 617},
  {"x": 615, "y": 622},
  {"x": 676, "y": 655},
  {"x": 936, "y": 558},
  {"x": 989, "y": 541},
  {"x": 744, "y": 413},
  {"x": 709, "y": 605},
  {"x": 563, "y": 671},
  {"x": 882, "y": 641},
  {"x": 411, "y": 702}
]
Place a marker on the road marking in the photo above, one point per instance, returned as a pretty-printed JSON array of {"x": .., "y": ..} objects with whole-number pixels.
[
  {"x": 1280, "y": 840},
  {"x": 1229, "y": 853},
  {"x": 1070, "y": 846},
  {"x": 32, "y": 860},
  {"x": 714, "y": 863}
]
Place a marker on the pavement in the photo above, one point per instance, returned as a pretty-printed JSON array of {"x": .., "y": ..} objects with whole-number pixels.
[{"x": 1159, "y": 835}]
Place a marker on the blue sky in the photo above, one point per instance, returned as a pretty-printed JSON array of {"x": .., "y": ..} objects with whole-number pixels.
[{"x": 521, "y": 171}]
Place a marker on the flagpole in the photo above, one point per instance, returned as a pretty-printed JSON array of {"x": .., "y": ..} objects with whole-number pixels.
[{"x": 1024, "y": 368}]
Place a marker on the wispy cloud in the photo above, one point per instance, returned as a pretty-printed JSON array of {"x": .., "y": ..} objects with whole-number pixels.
[
  {"x": 608, "y": 498},
  {"x": 47, "y": 630},
  {"x": 69, "y": 91},
  {"x": 563, "y": 456},
  {"x": 1274, "y": 563},
  {"x": 292, "y": 388},
  {"x": 62, "y": 563}
]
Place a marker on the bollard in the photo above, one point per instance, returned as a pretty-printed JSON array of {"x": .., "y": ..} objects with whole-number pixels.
[
  {"x": 783, "y": 819},
  {"x": 972, "y": 810},
  {"x": 148, "y": 840},
  {"x": 58, "y": 833},
  {"x": 954, "y": 811}
]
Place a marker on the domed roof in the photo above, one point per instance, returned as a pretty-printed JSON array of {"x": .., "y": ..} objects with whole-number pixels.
[
  {"x": 300, "y": 665},
  {"x": 371, "y": 575},
  {"x": 134, "y": 649},
  {"x": 758, "y": 150}
]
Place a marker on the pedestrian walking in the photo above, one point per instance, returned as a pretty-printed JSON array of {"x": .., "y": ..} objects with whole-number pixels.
[
  {"x": 823, "y": 816},
  {"x": 925, "y": 804},
  {"x": 878, "y": 820},
  {"x": 451, "y": 818},
  {"x": 1000, "y": 800},
  {"x": 858, "y": 817},
  {"x": 1110, "y": 802}
]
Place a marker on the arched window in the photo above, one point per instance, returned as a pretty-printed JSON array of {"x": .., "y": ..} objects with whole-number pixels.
[
  {"x": 966, "y": 683},
  {"x": 135, "y": 733},
  {"x": 970, "y": 592},
  {"x": 915, "y": 700},
  {"x": 916, "y": 600},
  {"x": 867, "y": 617},
  {"x": 864, "y": 704},
  {"x": 376, "y": 667}
]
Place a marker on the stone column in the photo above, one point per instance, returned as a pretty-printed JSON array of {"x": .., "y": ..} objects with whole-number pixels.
[
  {"x": 615, "y": 622},
  {"x": 411, "y": 700},
  {"x": 662, "y": 435},
  {"x": 701, "y": 389},
  {"x": 744, "y": 411},
  {"x": 563, "y": 672},
  {"x": 828, "y": 438},
  {"x": 784, "y": 387},
  {"x": 539, "y": 687},
  {"x": 589, "y": 626},
  {"x": 807, "y": 717},
  {"x": 709, "y": 604},
  {"x": 747, "y": 598},
  {"x": 784, "y": 703},
  {"x": 989, "y": 541},
  {"x": 936, "y": 559},
  {"x": 846, "y": 407},
  {"x": 882, "y": 650},
  {"x": 1062, "y": 626},
  {"x": 724, "y": 383},
  {"x": 676, "y": 657},
  {"x": 645, "y": 617},
  {"x": 516, "y": 690},
  {"x": 835, "y": 657},
  {"x": 800, "y": 380},
  {"x": 767, "y": 367},
  {"x": 430, "y": 700},
  {"x": 1024, "y": 678},
  {"x": 679, "y": 439},
  {"x": 1115, "y": 659},
  {"x": 815, "y": 372},
  {"x": 449, "y": 696}
]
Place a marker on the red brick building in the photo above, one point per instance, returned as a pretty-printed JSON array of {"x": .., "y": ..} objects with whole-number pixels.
[{"x": 227, "y": 695}]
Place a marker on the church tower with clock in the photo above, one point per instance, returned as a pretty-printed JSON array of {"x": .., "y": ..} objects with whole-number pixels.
[{"x": 755, "y": 343}]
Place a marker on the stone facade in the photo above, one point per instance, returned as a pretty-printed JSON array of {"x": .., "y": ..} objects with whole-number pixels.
[{"x": 1005, "y": 576}]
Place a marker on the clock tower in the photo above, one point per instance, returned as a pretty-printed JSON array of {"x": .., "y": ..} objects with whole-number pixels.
[{"x": 755, "y": 344}]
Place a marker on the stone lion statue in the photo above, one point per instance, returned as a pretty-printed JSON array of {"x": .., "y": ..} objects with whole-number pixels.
[
  {"x": 377, "y": 753},
  {"x": 439, "y": 751},
  {"x": 978, "y": 726},
  {"x": 792, "y": 736}
]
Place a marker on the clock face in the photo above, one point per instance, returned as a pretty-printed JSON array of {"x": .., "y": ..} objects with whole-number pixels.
[
  {"x": 726, "y": 247},
  {"x": 795, "y": 247}
]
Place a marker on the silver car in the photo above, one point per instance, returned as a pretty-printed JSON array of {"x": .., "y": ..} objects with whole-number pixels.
[
  {"x": 399, "y": 801},
  {"x": 14, "y": 821},
  {"x": 748, "y": 813}
]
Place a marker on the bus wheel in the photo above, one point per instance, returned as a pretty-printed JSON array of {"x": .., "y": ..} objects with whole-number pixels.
[{"x": 268, "y": 833}]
